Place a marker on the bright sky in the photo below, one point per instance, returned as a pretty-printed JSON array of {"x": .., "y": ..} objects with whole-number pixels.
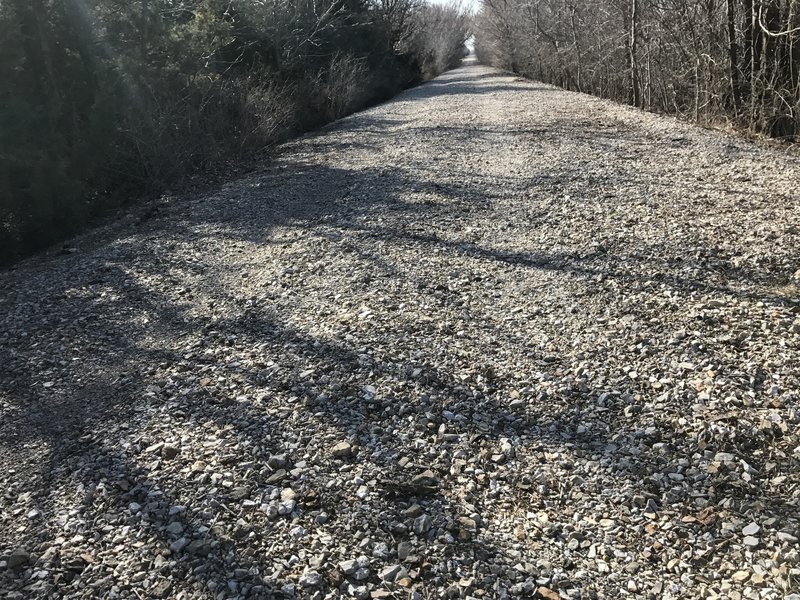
[{"x": 471, "y": 4}]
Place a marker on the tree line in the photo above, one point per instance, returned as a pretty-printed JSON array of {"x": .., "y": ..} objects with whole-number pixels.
[
  {"x": 709, "y": 60},
  {"x": 105, "y": 100}
]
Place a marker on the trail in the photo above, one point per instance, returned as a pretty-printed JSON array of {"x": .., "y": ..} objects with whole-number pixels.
[{"x": 489, "y": 339}]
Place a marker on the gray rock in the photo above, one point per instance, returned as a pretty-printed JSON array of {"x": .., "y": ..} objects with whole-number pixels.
[
  {"x": 787, "y": 537},
  {"x": 175, "y": 528},
  {"x": 277, "y": 461},
  {"x": 276, "y": 477},
  {"x": 162, "y": 589},
  {"x": 348, "y": 567},
  {"x": 751, "y": 529},
  {"x": 342, "y": 450},
  {"x": 381, "y": 550},
  {"x": 310, "y": 579},
  {"x": 751, "y": 541},
  {"x": 393, "y": 572},
  {"x": 287, "y": 507},
  {"x": 168, "y": 451},
  {"x": 359, "y": 592},
  {"x": 422, "y": 524},
  {"x": 19, "y": 557},
  {"x": 425, "y": 479},
  {"x": 468, "y": 523},
  {"x": 198, "y": 547},
  {"x": 403, "y": 550}
]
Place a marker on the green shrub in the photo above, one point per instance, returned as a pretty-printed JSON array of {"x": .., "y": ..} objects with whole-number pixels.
[{"x": 105, "y": 100}]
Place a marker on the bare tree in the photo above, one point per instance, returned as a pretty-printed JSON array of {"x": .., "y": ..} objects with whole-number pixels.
[{"x": 707, "y": 60}]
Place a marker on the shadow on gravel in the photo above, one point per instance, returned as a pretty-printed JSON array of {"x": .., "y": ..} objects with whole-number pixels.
[
  {"x": 97, "y": 467},
  {"x": 129, "y": 356},
  {"x": 468, "y": 87},
  {"x": 157, "y": 372},
  {"x": 90, "y": 417},
  {"x": 393, "y": 206},
  {"x": 125, "y": 482}
]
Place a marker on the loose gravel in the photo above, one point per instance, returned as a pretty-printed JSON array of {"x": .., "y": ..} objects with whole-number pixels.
[{"x": 491, "y": 339}]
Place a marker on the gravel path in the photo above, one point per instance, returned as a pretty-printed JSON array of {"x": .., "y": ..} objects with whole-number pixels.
[{"x": 490, "y": 339}]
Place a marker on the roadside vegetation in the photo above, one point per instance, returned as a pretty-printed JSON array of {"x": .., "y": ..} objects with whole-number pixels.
[
  {"x": 104, "y": 101},
  {"x": 733, "y": 62}
]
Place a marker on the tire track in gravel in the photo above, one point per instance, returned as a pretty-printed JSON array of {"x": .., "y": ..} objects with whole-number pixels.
[{"x": 485, "y": 339}]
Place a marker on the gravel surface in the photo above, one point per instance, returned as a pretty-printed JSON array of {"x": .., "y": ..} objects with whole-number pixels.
[{"x": 490, "y": 339}]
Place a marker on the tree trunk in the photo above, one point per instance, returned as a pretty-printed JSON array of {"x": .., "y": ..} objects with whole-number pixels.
[
  {"x": 633, "y": 41},
  {"x": 577, "y": 49},
  {"x": 733, "y": 58}
]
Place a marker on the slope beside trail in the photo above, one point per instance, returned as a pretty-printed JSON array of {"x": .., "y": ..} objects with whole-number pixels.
[{"x": 490, "y": 339}]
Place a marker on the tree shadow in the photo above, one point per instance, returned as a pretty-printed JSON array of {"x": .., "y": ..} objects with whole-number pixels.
[
  {"x": 98, "y": 439},
  {"x": 151, "y": 338}
]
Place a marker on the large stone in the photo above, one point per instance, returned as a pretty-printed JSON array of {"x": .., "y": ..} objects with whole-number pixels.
[
  {"x": 422, "y": 524},
  {"x": 393, "y": 572},
  {"x": 751, "y": 529},
  {"x": 403, "y": 550},
  {"x": 342, "y": 450},
  {"x": 426, "y": 479},
  {"x": 169, "y": 451},
  {"x": 310, "y": 579},
  {"x": 18, "y": 558},
  {"x": 348, "y": 567},
  {"x": 162, "y": 589}
]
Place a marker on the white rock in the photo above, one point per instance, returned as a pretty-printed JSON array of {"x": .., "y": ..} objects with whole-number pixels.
[{"x": 751, "y": 529}]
